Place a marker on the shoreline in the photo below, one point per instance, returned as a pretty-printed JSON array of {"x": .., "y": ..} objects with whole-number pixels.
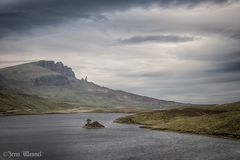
[
  {"x": 31, "y": 114},
  {"x": 223, "y": 136},
  {"x": 182, "y": 132},
  {"x": 75, "y": 110},
  {"x": 222, "y": 121}
]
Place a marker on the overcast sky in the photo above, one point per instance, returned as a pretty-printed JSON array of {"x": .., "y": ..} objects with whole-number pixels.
[{"x": 181, "y": 50}]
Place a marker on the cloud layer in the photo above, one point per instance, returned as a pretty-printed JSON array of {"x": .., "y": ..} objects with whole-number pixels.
[
  {"x": 186, "y": 50},
  {"x": 21, "y": 15},
  {"x": 156, "y": 39}
]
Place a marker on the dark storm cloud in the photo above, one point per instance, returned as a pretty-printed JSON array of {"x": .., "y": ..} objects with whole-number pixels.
[
  {"x": 218, "y": 56},
  {"x": 196, "y": 77},
  {"x": 21, "y": 15},
  {"x": 236, "y": 35},
  {"x": 158, "y": 39},
  {"x": 233, "y": 66},
  {"x": 231, "y": 56},
  {"x": 224, "y": 68}
]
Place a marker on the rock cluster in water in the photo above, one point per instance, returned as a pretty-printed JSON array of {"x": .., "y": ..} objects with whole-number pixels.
[{"x": 94, "y": 124}]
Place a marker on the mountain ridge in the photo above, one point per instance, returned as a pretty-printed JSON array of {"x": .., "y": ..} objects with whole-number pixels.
[{"x": 57, "y": 83}]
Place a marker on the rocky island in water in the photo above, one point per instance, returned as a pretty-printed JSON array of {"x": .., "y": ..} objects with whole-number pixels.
[{"x": 94, "y": 124}]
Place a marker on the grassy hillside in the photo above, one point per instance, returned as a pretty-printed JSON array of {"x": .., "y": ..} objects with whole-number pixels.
[
  {"x": 222, "y": 120},
  {"x": 13, "y": 103},
  {"x": 32, "y": 79},
  {"x": 25, "y": 72}
]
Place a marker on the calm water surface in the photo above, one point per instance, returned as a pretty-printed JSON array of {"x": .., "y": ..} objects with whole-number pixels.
[{"x": 61, "y": 137}]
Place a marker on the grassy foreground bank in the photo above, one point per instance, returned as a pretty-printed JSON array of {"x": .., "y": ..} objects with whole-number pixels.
[{"x": 221, "y": 120}]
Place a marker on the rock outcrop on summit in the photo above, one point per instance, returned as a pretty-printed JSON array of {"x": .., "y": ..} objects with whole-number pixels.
[{"x": 57, "y": 67}]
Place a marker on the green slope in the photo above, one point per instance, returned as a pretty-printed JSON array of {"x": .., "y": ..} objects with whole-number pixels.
[
  {"x": 15, "y": 103},
  {"x": 25, "y": 72},
  {"x": 222, "y": 120},
  {"x": 45, "y": 82}
]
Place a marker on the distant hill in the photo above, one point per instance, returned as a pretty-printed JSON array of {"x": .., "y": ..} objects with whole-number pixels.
[{"x": 56, "y": 83}]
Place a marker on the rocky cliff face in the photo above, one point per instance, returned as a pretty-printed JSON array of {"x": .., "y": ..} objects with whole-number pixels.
[
  {"x": 52, "y": 80},
  {"x": 2, "y": 78},
  {"x": 57, "y": 67}
]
